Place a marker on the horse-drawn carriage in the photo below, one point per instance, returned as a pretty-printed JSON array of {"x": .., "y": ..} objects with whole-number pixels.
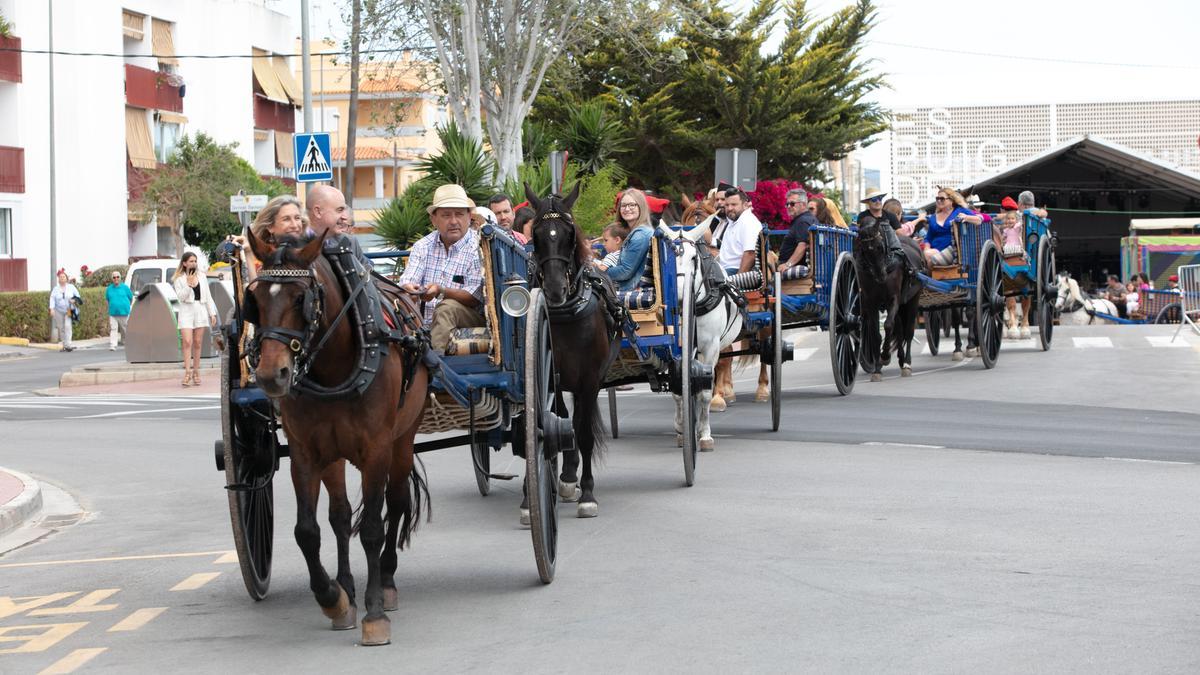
[{"x": 494, "y": 386}]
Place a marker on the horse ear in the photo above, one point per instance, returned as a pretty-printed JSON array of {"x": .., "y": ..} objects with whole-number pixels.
[
  {"x": 570, "y": 200},
  {"x": 687, "y": 203},
  {"x": 312, "y": 249},
  {"x": 261, "y": 249},
  {"x": 533, "y": 198}
]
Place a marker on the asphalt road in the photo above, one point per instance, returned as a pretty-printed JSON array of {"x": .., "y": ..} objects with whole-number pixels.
[{"x": 876, "y": 532}]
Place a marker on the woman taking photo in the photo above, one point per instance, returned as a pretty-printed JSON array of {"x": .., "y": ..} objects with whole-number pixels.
[{"x": 196, "y": 311}]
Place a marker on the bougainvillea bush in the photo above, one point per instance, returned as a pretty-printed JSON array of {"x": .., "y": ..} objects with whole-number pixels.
[{"x": 770, "y": 201}]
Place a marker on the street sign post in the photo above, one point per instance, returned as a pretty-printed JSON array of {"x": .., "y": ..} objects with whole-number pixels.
[
  {"x": 313, "y": 159},
  {"x": 737, "y": 167}
]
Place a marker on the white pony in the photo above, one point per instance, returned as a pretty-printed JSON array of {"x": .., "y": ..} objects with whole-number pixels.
[
  {"x": 715, "y": 330},
  {"x": 1075, "y": 308}
]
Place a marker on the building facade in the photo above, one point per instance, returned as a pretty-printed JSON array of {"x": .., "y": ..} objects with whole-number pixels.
[
  {"x": 117, "y": 117},
  {"x": 396, "y": 123},
  {"x": 958, "y": 145}
]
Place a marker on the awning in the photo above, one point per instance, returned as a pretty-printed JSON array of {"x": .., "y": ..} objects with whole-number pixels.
[
  {"x": 285, "y": 157},
  {"x": 261, "y": 135},
  {"x": 1142, "y": 224},
  {"x": 284, "y": 74},
  {"x": 163, "y": 42},
  {"x": 133, "y": 24},
  {"x": 267, "y": 80},
  {"x": 171, "y": 118},
  {"x": 137, "y": 139}
]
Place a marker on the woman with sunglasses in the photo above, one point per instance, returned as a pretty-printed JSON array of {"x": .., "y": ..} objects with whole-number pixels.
[
  {"x": 950, "y": 207},
  {"x": 633, "y": 213}
]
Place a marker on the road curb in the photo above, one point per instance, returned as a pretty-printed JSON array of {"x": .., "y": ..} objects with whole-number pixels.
[
  {"x": 20, "y": 509},
  {"x": 85, "y": 377},
  {"x": 14, "y": 341}
]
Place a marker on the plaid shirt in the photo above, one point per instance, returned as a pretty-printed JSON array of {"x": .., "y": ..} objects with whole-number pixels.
[{"x": 460, "y": 267}]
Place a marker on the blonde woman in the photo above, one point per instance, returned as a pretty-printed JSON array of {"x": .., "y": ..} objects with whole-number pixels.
[
  {"x": 633, "y": 213},
  {"x": 835, "y": 213},
  {"x": 196, "y": 311},
  {"x": 281, "y": 217},
  {"x": 950, "y": 207}
]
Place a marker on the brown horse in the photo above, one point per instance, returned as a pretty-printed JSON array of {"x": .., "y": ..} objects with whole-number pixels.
[{"x": 299, "y": 341}]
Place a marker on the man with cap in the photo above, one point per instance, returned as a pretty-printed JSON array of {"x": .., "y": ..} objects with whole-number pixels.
[
  {"x": 874, "y": 202},
  {"x": 444, "y": 268}
]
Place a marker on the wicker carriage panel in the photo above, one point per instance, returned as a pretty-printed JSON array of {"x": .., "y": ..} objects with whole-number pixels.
[{"x": 442, "y": 413}]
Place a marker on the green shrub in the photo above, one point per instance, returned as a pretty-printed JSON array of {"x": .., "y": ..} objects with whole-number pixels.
[
  {"x": 402, "y": 221},
  {"x": 99, "y": 278},
  {"x": 26, "y": 315},
  {"x": 597, "y": 199}
]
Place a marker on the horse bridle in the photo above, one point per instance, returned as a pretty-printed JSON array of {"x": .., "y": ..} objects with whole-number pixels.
[
  {"x": 299, "y": 342},
  {"x": 574, "y": 271}
]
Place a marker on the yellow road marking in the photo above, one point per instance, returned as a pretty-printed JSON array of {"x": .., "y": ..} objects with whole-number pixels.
[
  {"x": 10, "y": 606},
  {"x": 36, "y": 637},
  {"x": 71, "y": 661},
  {"x": 139, "y": 618},
  {"x": 196, "y": 581},
  {"x": 159, "y": 556},
  {"x": 87, "y": 603},
  {"x": 227, "y": 559}
]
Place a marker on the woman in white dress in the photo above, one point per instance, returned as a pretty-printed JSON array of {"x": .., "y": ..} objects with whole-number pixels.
[{"x": 196, "y": 311}]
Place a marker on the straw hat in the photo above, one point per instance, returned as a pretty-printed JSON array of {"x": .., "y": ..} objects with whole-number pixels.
[
  {"x": 872, "y": 195},
  {"x": 450, "y": 196}
]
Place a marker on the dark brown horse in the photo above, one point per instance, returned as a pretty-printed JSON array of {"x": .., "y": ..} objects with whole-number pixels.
[
  {"x": 885, "y": 287},
  {"x": 298, "y": 299},
  {"x": 582, "y": 330}
]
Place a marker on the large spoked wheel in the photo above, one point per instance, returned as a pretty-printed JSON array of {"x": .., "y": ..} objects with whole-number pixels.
[
  {"x": 989, "y": 305},
  {"x": 481, "y": 460},
  {"x": 1172, "y": 313},
  {"x": 845, "y": 323},
  {"x": 777, "y": 362},
  {"x": 933, "y": 330},
  {"x": 541, "y": 450},
  {"x": 612, "y": 412},
  {"x": 249, "y": 460},
  {"x": 1047, "y": 291},
  {"x": 689, "y": 400}
]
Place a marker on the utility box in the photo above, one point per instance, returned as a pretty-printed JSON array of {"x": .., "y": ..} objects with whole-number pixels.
[{"x": 153, "y": 334}]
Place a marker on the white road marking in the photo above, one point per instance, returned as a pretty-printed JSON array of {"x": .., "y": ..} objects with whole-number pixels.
[
  {"x": 1147, "y": 461},
  {"x": 9, "y": 393},
  {"x": 905, "y": 445},
  {"x": 123, "y": 413},
  {"x": 1092, "y": 342},
  {"x": 804, "y": 354},
  {"x": 1154, "y": 340}
]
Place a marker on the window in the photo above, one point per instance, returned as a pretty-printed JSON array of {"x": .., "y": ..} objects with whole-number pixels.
[
  {"x": 166, "y": 137},
  {"x": 144, "y": 277},
  {"x": 6, "y": 245}
]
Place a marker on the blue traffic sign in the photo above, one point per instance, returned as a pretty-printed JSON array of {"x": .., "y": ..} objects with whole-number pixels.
[{"x": 313, "y": 159}]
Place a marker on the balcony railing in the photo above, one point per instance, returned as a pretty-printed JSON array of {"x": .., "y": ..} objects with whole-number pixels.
[
  {"x": 12, "y": 169},
  {"x": 145, "y": 88},
  {"x": 14, "y": 275},
  {"x": 406, "y": 131},
  {"x": 10, "y": 59},
  {"x": 271, "y": 115}
]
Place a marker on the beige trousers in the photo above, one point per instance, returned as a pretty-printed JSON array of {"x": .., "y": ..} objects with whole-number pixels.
[{"x": 448, "y": 315}]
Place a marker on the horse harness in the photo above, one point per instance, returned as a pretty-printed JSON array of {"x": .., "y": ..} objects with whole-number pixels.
[{"x": 365, "y": 310}]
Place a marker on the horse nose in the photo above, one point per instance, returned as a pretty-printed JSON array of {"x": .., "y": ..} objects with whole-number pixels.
[{"x": 276, "y": 383}]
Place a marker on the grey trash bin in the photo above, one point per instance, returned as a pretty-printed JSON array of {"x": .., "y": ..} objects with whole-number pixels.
[{"x": 153, "y": 335}]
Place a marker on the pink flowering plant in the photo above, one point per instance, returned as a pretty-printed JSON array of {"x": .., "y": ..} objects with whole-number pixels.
[{"x": 770, "y": 201}]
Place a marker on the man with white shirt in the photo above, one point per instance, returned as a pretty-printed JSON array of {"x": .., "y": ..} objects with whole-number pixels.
[{"x": 737, "y": 237}]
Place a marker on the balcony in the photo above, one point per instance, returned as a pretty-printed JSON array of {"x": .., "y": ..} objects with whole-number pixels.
[
  {"x": 275, "y": 116},
  {"x": 150, "y": 89},
  {"x": 10, "y": 61},
  {"x": 12, "y": 169},
  {"x": 405, "y": 131},
  {"x": 14, "y": 274}
]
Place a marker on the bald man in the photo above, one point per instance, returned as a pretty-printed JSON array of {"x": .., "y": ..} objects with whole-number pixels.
[{"x": 327, "y": 212}]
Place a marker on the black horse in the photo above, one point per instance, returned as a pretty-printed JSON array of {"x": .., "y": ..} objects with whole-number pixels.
[
  {"x": 583, "y": 329},
  {"x": 884, "y": 286}
]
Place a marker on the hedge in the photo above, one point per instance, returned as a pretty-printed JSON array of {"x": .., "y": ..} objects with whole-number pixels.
[{"x": 26, "y": 315}]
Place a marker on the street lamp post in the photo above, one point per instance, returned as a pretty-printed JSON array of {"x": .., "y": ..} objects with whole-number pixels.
[
  {"x": 306, "y": 73},
  {"x": 53, "y": 187}
]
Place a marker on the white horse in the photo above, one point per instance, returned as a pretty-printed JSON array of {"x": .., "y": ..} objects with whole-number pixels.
[
  {"x": 715, "y": 330},
  {"x": 1076, "y": 309}
]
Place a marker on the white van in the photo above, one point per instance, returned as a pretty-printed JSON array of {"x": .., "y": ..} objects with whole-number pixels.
[{"x": 153, "y": 271}]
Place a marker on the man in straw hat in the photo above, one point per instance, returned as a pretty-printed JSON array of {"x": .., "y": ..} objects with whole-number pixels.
[
  {"x": 444, "y": 268},
  {"x": 874, "y": 202}
]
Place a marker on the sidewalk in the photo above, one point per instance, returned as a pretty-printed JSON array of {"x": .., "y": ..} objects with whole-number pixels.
[
  {"x": 20, "y": 500},
  {"x": 120, "y": 372},
  {"x": 159, "y": 387}
]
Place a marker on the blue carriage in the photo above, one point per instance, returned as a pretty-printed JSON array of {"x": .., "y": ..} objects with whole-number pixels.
[{"x": 494, "y": 386}]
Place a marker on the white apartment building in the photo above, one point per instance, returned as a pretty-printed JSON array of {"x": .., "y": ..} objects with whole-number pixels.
[
  {"x": 117, "y": 117},
  {"x": 959, "y": 145}
]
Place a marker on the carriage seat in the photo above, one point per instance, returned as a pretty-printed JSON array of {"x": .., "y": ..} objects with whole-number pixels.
[
  {"x": 470, "y": 341},
  {"x": 944, "y": 272},
  {"x": 638, "y": 298}
]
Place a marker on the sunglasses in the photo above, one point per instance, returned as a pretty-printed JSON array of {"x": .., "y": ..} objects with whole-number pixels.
[{"x": 941, "y": 199}]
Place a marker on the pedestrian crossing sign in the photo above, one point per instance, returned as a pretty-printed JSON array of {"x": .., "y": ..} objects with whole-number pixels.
[{"x": 313, "y": 158}]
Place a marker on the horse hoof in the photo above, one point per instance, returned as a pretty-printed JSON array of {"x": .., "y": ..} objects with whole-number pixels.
[
  {"x": 730, "y": 397},
  {"x": 762, "y": 395},
  {"x": 391, "y": 599},
  {"x": 707, "y": 445},
  {"x": 569, "y": 492},
  {"x": 958, "y": 356},
  {"x": 524, "y": 517},
  {"x": 972, "y": 351},
  {"x": 1025, "y": 334},
  {"x": 376, "y": 632},
  {"x": 717, "y": 404},
  {"x": 876, "y": 377},
  {"x": 587, "y": 510},
  {"x": 342, "y": 614},
  {"x": 679, "y": 440},
  {"x": 906, "y": 372}
]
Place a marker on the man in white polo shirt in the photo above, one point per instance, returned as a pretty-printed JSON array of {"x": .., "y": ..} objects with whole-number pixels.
[{"x": 737, "y": 238}]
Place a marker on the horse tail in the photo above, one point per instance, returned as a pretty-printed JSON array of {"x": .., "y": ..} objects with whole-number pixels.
[{"x": 414, "y": 501}]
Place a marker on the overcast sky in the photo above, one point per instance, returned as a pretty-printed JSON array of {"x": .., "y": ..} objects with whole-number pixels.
[{"x": 946, "y": 53}]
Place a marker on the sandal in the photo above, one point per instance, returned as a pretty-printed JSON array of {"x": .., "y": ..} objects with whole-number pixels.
[
  {"x": 187, "y": 378},
  {"x": 195, "y": 378}
]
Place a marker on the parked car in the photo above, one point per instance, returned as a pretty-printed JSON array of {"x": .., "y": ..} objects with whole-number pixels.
[{"x": 152, "y": 271}]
